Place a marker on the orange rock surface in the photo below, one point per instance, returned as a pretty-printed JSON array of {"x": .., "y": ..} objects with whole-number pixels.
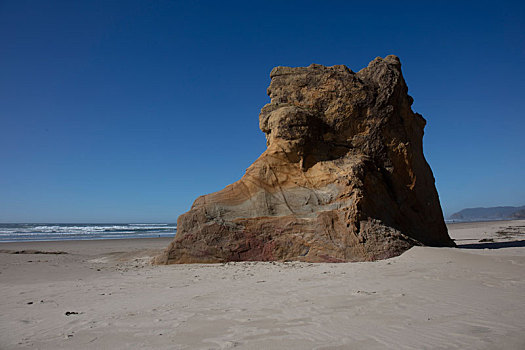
[{"x": 343, "y": 178}]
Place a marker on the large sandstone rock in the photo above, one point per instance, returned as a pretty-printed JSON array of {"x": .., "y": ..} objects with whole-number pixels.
[{"x": 343, "y": 179}]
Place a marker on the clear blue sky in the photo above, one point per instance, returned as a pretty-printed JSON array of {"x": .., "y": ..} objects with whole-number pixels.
[{"x": 126, "y": 111}]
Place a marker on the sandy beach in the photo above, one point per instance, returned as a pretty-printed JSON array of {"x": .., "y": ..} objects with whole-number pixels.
[{"x": 105, "y": 295}]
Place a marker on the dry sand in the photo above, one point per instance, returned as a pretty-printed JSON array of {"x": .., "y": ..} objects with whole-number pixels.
[{"x": 428, "y": 298}]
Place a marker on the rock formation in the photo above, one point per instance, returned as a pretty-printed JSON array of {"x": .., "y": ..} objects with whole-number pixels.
[{"x": 343, "y": 178}]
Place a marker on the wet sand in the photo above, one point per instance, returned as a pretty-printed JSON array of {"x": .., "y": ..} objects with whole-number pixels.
[{"x": 105, "y": 295}]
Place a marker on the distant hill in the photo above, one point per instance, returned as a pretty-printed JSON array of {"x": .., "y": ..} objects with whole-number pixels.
[{"x": 485, "y": 214}]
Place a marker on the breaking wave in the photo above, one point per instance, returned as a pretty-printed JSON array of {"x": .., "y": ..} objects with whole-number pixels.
[{"x": 52, "y": 232}]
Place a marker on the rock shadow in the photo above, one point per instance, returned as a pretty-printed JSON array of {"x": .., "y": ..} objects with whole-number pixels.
[{"x": 493, "y": 245}]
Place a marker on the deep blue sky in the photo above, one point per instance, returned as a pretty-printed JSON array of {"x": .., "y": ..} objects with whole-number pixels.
[{"x": 126, "y": 111}]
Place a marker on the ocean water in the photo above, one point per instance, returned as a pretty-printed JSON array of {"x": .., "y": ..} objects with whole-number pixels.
[{"x": 59, "y": 232}]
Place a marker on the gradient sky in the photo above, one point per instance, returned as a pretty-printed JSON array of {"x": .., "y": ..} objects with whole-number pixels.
[{"x": 126, "y": 111}]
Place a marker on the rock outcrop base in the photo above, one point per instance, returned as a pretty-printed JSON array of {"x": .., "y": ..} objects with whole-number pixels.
[{"x": 343, "y": 178}]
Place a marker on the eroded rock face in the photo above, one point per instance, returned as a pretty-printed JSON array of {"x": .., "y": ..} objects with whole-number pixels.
[{"x": 343, "y": 178}]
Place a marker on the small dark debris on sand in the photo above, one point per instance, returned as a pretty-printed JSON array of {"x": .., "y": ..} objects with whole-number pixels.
[
  {"x": 68, "y": 313},
  {"x": 29, "y": 251},
  {"x": 510, "y": 231}
]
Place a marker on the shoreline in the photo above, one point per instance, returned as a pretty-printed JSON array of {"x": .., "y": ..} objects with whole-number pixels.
[
  {"x": 96, "y": 231},
  {"x": 88, "y": 240},
  {"x": 481, "y": 222}
]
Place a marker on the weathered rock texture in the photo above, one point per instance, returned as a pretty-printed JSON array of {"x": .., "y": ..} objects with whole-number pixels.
[{"x": 343, "y": 179}]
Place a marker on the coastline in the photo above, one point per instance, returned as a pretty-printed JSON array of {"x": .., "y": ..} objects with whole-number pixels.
[
  {"x": 105, "y": 294},
  {"x": 32, "y": 232},
  {"x": 89, "y": 245}
]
